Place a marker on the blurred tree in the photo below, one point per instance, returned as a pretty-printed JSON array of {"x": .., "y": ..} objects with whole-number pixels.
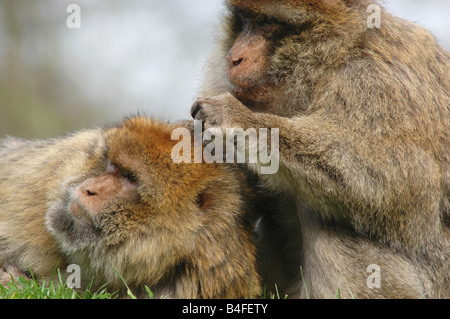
[{"x": 35, "y": 98}]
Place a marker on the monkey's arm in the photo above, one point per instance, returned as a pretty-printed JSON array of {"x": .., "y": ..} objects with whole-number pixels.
[
  {"x": 334, "y": 171},
  {"x": 311, "y": 150}
]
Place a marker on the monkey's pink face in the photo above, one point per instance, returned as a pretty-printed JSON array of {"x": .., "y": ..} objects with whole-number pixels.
[
  {"x": 253, "y": 56},
  {"x": 84, "y": 215},
  {"x": 248, "y": 60},
  {"x": 94, "y": 195}
]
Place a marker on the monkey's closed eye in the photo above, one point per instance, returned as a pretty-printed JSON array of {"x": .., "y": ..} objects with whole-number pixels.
[
  {"x": 132, "y": 177},
  {"x": 125, "y": 173}
]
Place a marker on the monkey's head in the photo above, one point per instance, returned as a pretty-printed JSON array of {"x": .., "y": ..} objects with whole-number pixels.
[
  {"x": 271, "y": 44},
  {"x": 145, "y": 216}
]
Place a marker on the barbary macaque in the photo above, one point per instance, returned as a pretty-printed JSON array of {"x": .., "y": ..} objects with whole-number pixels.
[
  {"x": 113, "y": 201},
  {"x": 364, "y": 124}
]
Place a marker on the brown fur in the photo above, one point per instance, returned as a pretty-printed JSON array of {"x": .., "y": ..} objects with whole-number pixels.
[
  {"x": 185, "y": 233},
  {"x": 364, "y": 141}
]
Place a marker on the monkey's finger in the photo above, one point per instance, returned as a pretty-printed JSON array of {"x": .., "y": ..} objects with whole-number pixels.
[
  {"x": 195, "y": 109},
  {"x": 198, "y": 110}
]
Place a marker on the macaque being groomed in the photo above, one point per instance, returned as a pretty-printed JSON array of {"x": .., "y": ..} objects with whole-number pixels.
[
  {"x": 364, "y": 123},
  {"x": 114, "y": 202}
]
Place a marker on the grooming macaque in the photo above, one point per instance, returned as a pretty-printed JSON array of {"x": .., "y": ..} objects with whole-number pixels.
[
  {"x": 114, "y": 202},
  {"x": 363, "y": 116}
]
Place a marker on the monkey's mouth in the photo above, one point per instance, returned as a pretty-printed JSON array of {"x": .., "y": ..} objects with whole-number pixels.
[
  {"x": 254, "y": 94},
  {"x": 79, "y": 213}
]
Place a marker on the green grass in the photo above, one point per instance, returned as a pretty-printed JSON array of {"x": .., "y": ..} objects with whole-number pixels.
[
  {"x": 271, "y": 295},
  {"x": 26, "y": 288},
  {"x": 30, "y": 288}
]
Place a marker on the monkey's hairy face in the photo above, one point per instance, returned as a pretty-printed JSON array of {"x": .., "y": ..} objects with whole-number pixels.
[
  {"x": 82, "y": 216},
  {"x": 143, "y": 210},
  {"x": 248, "y": 58},
  {"x": 273, "y": 44}
]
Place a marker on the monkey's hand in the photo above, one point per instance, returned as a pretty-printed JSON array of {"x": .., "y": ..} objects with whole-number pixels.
[
  {"x": 9, "y": 274},
  {"x": 222, "y": 111}
]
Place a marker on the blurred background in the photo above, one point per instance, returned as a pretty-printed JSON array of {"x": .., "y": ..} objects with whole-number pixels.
[{"x": 128, "y": 56}]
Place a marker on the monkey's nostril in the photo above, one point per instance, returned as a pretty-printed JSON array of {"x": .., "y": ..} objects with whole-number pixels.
[
  {"x": 238, "y": 61},
  {"x": 90, "y": 193}
]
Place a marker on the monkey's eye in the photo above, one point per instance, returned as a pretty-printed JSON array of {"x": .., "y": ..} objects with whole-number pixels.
[
  {"x": 132, "y": 177},
  {"x": 125, "y": 173}
]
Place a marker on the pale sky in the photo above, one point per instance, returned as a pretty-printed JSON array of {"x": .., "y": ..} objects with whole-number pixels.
[{"x": 148, "y": 55}]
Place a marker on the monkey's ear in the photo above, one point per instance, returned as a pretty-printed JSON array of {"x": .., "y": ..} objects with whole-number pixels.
[{"x": 203, "y": 200}]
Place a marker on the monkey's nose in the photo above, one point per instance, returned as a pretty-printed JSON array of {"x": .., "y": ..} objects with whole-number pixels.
[
  {"x": 236, "y": 62},
  {"x": 90, "y": 193}
]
